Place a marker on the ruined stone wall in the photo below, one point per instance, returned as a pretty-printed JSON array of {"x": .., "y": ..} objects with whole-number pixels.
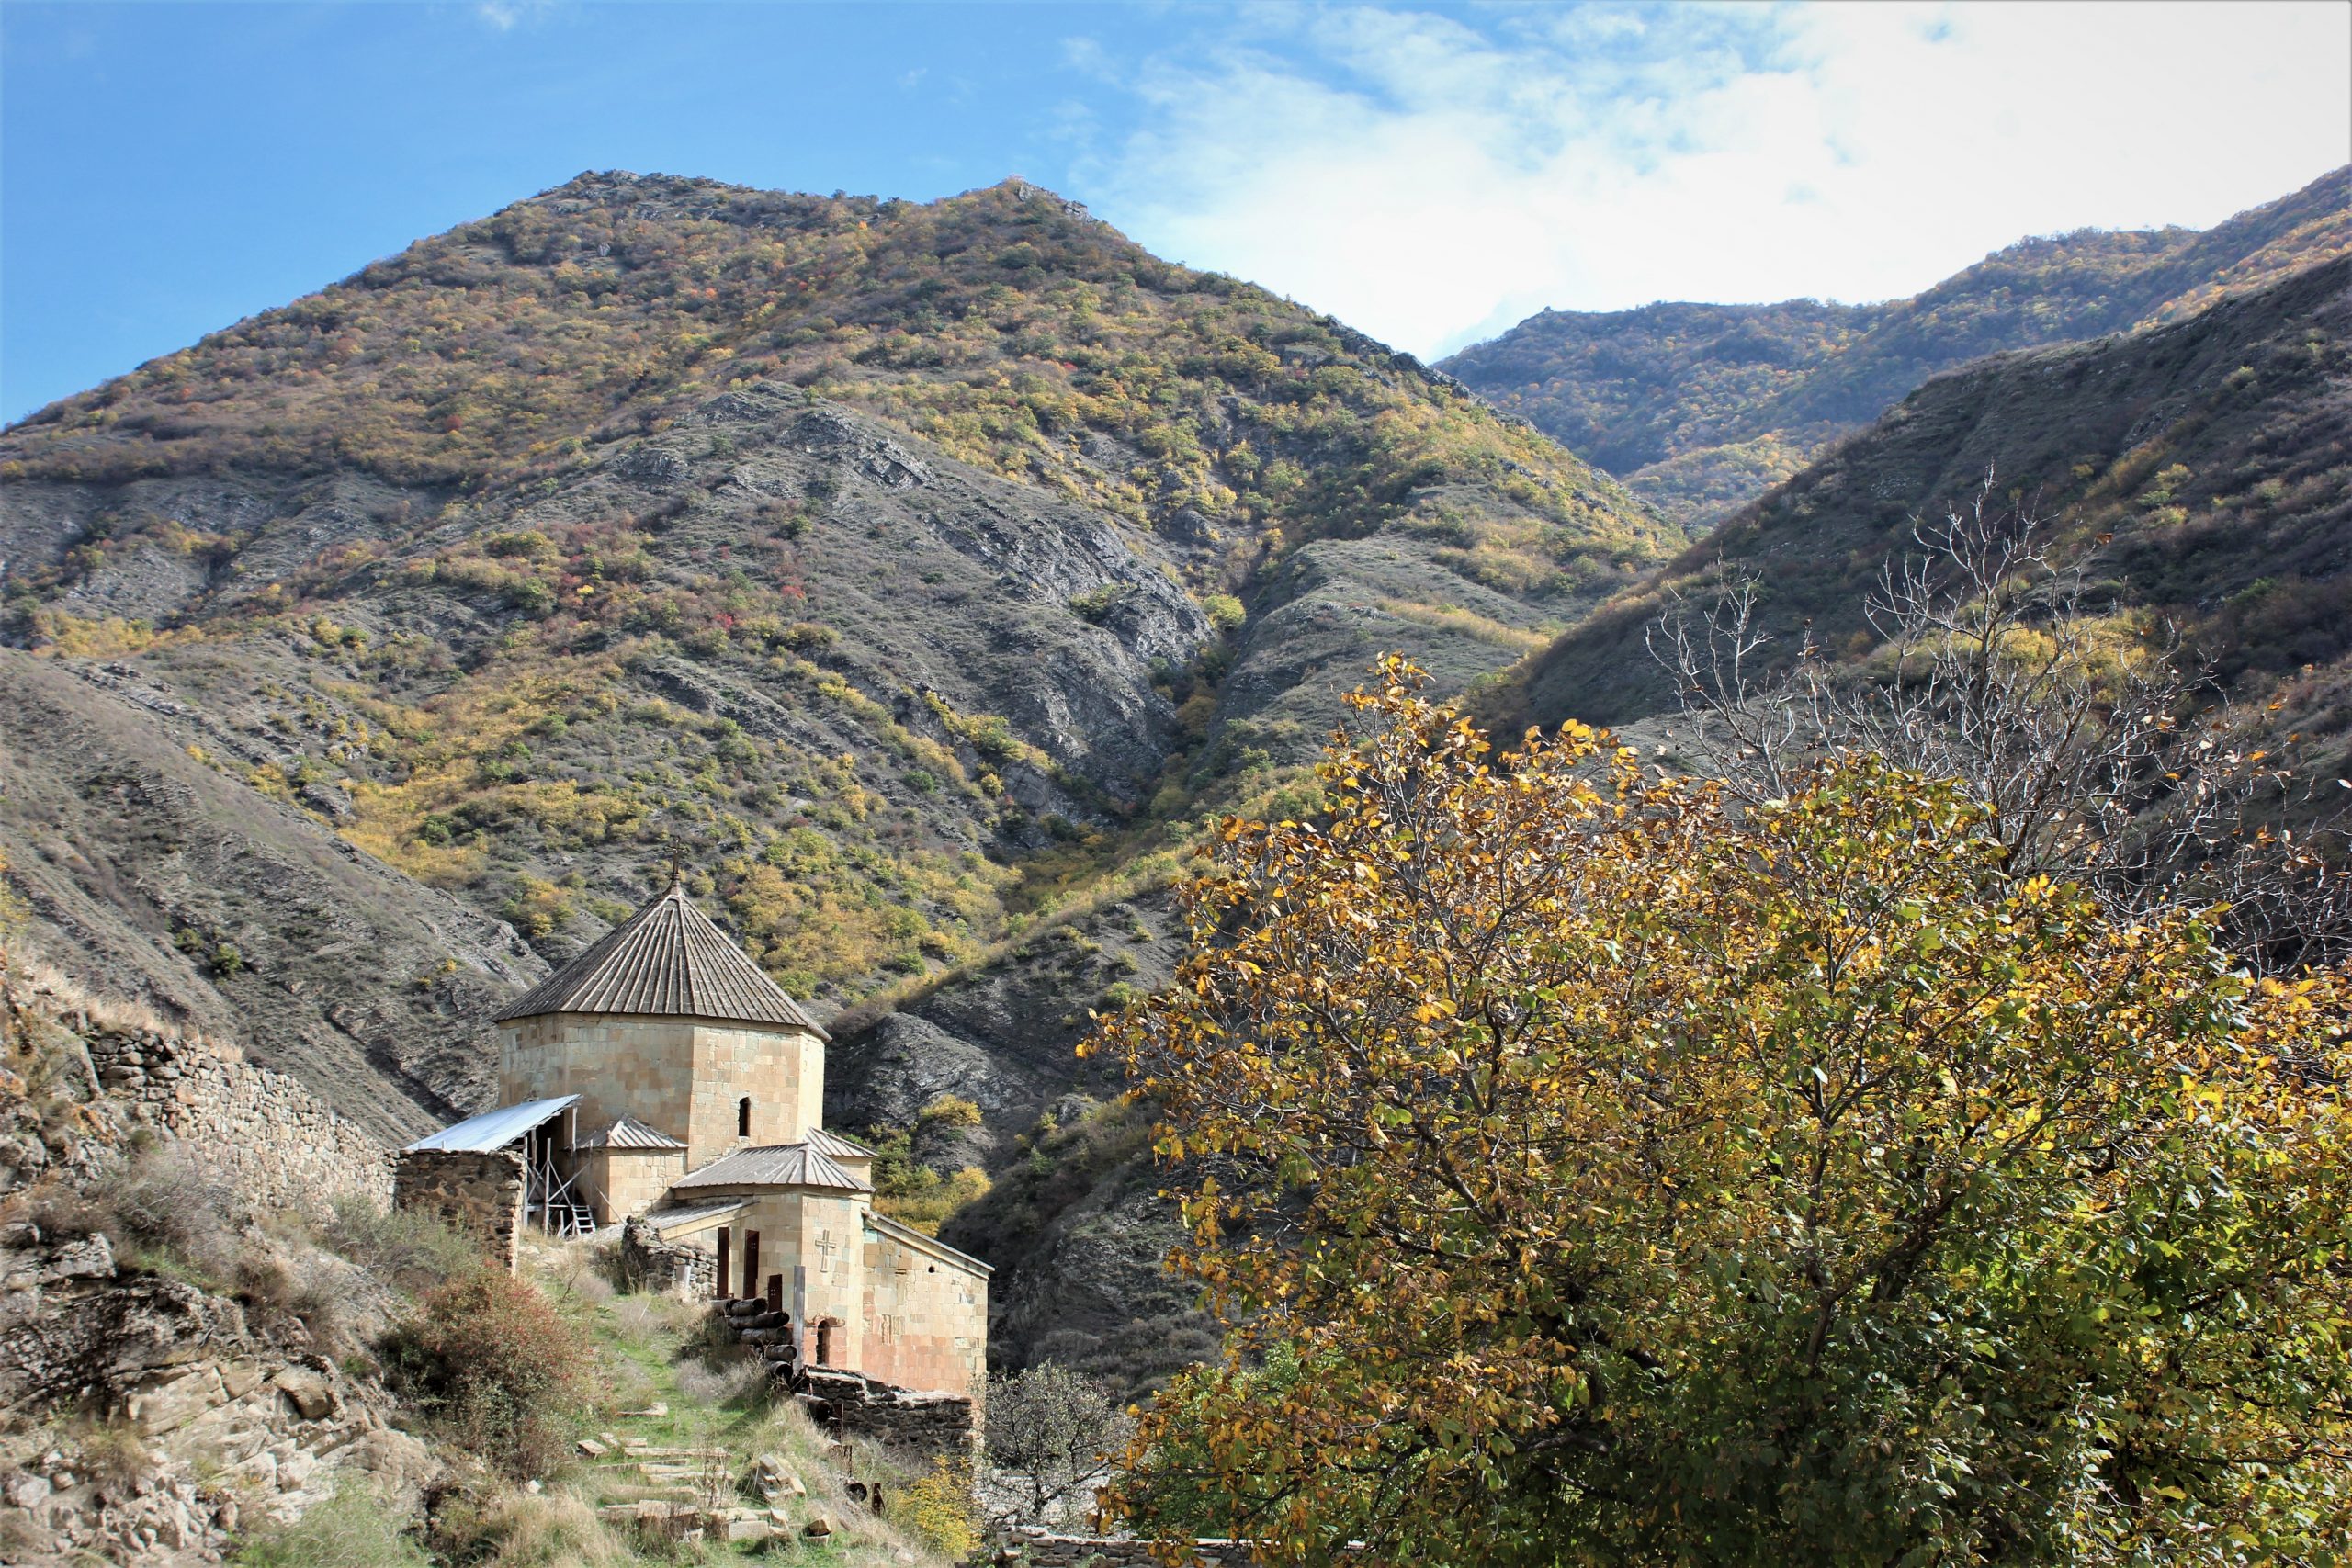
[
  {"x": 259, "y": 1132},
  {"x": 478, "y": 1192},
  {"x": 690, "y": 1273},
  {"x": 1043, "y": 1549},
  {"x": 853, "y": 1408}
]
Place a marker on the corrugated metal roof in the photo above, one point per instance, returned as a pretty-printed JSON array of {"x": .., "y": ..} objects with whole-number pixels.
[
  {"x": 667, "y": 960},
  {"x": 772, "y": 1165},
  {"x": 838, "y": 1147},
  {"x": 494, "y": 1129},
  {"x": 670, "y": 1222},
  {"x": 626, "y": 1132}
]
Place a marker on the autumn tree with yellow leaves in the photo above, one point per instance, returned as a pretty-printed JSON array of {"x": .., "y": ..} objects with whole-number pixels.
[{"x": 1594, "y": 1170}]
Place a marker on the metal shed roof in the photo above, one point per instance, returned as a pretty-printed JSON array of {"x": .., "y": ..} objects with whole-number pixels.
[
  {"x": 667, "y": 960},
  {"x": 494, "y": 1129},
  {"x": 670, "y": 1223},
  {"x": 772, "y": 1165}
]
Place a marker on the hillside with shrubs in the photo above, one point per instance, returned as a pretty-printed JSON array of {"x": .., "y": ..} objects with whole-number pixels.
[
  {"x": 1702, "y": 408},
  {"x": 899, "y": 570},
  {"x": 2197, "y": 475}
]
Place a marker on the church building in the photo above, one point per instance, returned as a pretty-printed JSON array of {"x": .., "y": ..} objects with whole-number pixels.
[{"x": 662, "y": 1077}]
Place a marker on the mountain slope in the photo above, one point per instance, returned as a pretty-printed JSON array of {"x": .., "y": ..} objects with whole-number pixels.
[
  {"x": 2209, "y": 462},
  {"x": 900, "y": 568},
  {"x": 1703, "y": 407}
]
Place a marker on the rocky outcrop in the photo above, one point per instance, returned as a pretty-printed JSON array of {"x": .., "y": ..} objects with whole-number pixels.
[
  {"x": 162, "y": 1414},
  {"x": 194, "y": 1423}
]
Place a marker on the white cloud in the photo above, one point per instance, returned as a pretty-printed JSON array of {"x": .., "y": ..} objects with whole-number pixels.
[
  {"x": 505, "y": 16},
  {"x": 1433, "y": 181}
]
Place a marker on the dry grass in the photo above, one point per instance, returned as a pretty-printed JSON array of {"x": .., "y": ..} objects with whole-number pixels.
[{"x": 30, "y": 984}]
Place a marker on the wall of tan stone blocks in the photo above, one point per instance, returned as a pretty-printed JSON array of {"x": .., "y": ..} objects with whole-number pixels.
[
  {"x": 622, "y": 1183},
  {"x": 823, "y": 1235},
  {"x": 926, "y": 1317},
  {"x": 678, "y": 1075}
]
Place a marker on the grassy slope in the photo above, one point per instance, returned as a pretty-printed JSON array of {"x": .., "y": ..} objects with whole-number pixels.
[
  {"x": 2211, "y": 455},
  {"x": 1703, "y": 407}
]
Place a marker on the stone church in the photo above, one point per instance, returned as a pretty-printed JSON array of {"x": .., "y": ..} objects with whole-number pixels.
[{"x": 661, "y": 1078}]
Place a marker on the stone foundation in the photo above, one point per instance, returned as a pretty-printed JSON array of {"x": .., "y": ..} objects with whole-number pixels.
[
  {"x": 478, "y": 1192},
  {"x": 667, "y": 1268},
  {"x": 855, "y": 1408},
  {"x": 1043, "y": 1549}
]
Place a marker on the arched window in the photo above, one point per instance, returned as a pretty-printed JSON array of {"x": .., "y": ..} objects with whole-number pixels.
[{"x": 744, "y": 1117}]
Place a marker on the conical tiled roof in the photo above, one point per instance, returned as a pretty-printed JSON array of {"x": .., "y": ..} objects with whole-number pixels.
[{"x": 667, "y": 960}]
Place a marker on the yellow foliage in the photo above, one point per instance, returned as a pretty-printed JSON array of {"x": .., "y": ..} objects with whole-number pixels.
[{"x": 1591, "y": 1170}]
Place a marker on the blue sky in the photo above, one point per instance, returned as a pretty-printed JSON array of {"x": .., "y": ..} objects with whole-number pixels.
[{"x": 1431, "y": 173}]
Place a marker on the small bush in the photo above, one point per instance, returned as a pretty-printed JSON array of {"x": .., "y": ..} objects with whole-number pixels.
[
  {"x": 1097, "y": 604},
  {"x": 939, "y": 1509},
  {"x": 950, "y": 1110},
  {"x": 112, "y": 1455},
  {"x": 731, "y": 1382},
  {"x": 357, "y": 1528},
  {"x": 161, "y": 1212},
  {"x": 1052, "y": 1433},
  {"x": 497, "y": 1526},
  {"x": 490, "y": 1362}
]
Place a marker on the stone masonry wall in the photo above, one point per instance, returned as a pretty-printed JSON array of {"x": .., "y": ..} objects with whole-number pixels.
[
  {"x": 855, "y": 1408},
  {"x": 1042, "y": 1549},
  {"x": 478, "y": 1192},
  {"x": 260, "y": 1133},
  {"x": 673, "y": 1268}
]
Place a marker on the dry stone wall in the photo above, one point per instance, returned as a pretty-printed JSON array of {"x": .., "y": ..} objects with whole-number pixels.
[
  {"x": 1029, "y": 1548},
  {"x": 671, "y": 1268},
  {"x": 855, "y": 1408},
  {"x": 481, "y": 1193},
  {"x": 258, "y": 1132}
]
